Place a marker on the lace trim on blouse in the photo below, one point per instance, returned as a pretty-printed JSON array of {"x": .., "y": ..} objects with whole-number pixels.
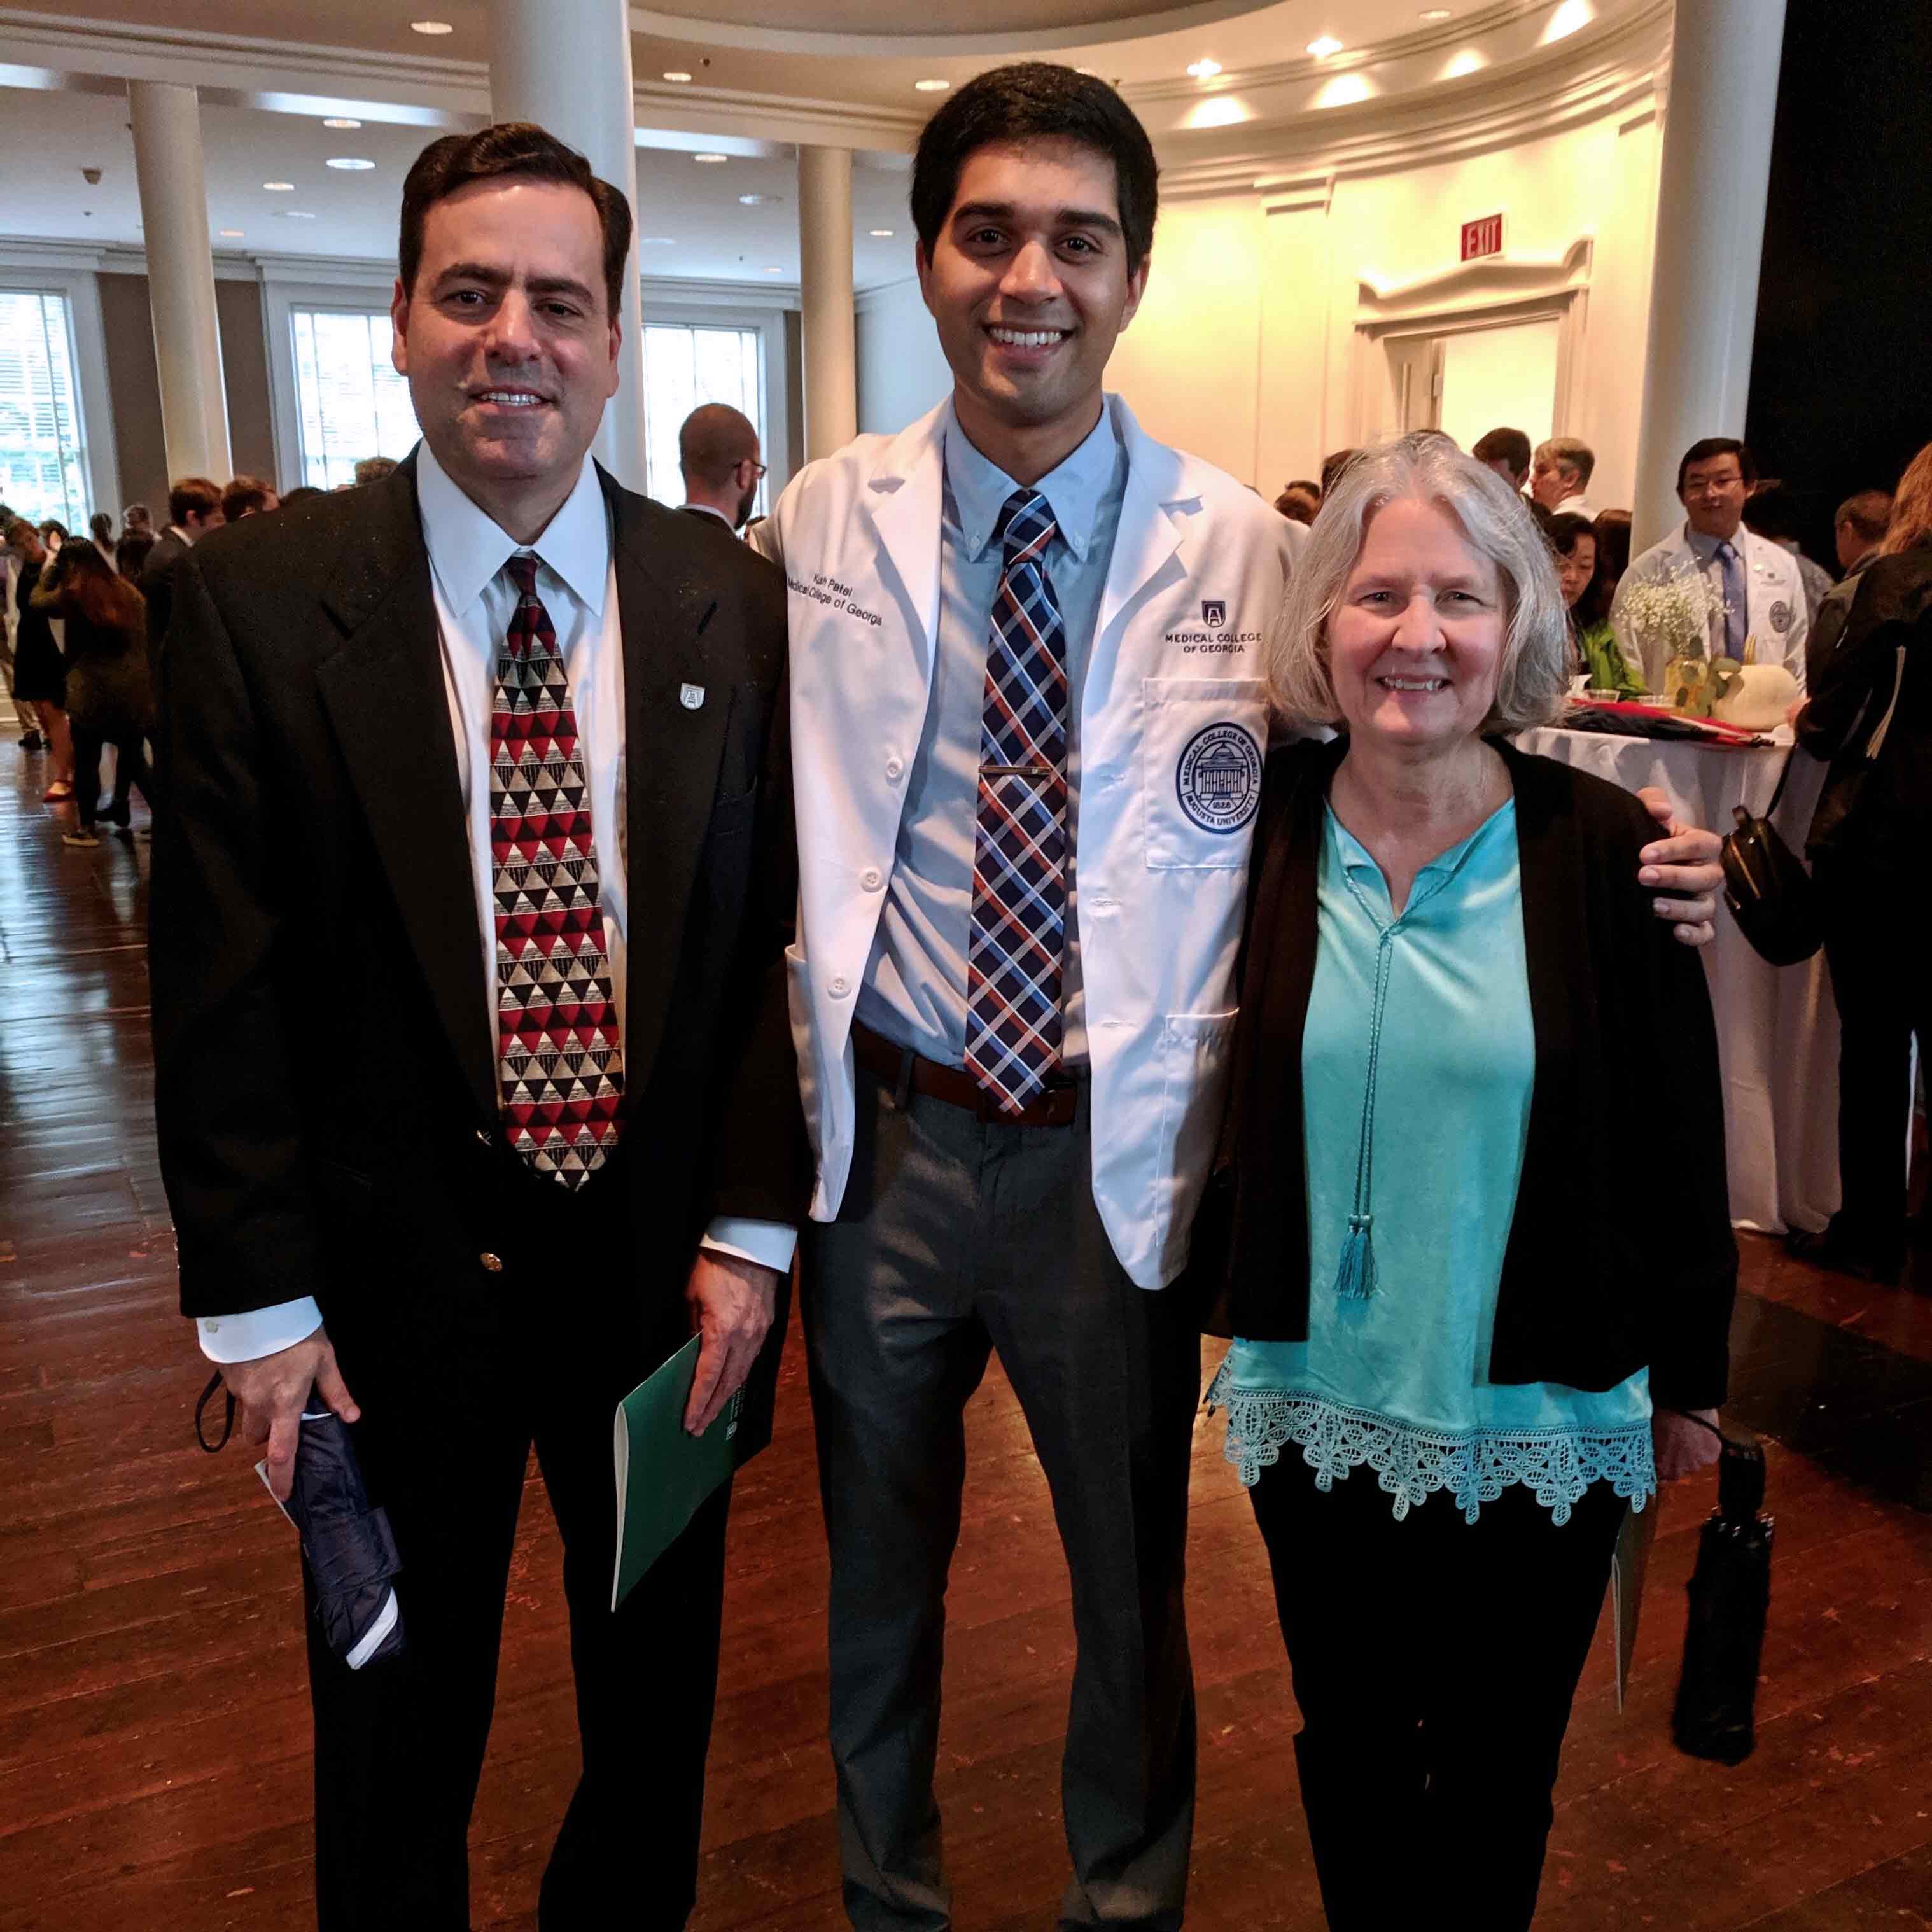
[{"x": 1410, "y": 1463}]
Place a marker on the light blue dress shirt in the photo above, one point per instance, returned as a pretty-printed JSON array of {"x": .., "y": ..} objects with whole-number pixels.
[
  {"x": 1397, "y": 1381},
  {"x": 914, "y": 992}
]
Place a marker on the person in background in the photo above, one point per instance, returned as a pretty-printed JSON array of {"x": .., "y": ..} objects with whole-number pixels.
[
  {"x": 1868, "y": 844},
  {"x": 31, "y": 739},
  {"x": 1857, "y": 532},
  {"x": 1613, "y": 551},
  {"x": 101, "y": 526},
  {"x": 1773, "y": 511},
  {"x": 373, "y": 469},
  {"x": 1757, "y": 604},
  {"x": 109, "y": 700},
  {"x": 194, "y": 509},
  {"x": 717, "y": 457},
  {"x": 137, "y": 517},
  {"x": 1573, "y": 540},
  {"x": 53, "y": 535},
  {"x": 1506, "y": 451},
  {"x": 1459, "y": 1358},
  {"x": 132, "y": 552},
  {"x": 1560, "y": 474},
  {"x": 39, "y": 675},
  {"x": 301, "y": 494},
  {"x": 1299, "y": 503},
  {"x": 247, "y": 496},
  {"x": 1332, "y": 465}
]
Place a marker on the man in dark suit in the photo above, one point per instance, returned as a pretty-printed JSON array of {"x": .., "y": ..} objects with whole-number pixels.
[
  {"x": 718, "y": 454},
  {"x": 194, "y": 509},
  {"x": 432, "y": 1132}
]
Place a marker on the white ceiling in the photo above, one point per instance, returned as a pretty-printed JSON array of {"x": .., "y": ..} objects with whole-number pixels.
[{"x": 691, "y": 206}]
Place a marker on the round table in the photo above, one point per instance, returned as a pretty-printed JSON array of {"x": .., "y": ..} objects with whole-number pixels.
[{"x": 1777, "y": 1026}]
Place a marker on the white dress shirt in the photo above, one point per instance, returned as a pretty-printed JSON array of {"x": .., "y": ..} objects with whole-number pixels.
[{"x": 577, "y": 580}]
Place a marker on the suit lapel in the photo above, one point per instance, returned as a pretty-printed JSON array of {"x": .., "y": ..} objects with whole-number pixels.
[
  {"x": 677, "y": 707},
  {"x": 385, "y": 694}
]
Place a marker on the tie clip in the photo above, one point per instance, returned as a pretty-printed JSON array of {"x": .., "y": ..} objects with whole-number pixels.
[{"x": 1017, "y": 772}]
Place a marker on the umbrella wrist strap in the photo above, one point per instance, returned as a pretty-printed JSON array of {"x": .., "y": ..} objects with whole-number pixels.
[{"x": 220, "y": 1442}]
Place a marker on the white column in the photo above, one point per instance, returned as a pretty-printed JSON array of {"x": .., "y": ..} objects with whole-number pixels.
[
  {"x": 1710, "y": 239},
  {"x": 566, "y": 65},
  {"x": 825, "y": 286},
  {"x": 169, "y": 173}
]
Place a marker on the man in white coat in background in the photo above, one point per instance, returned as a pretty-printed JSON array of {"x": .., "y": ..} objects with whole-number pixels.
[
  {"x": 1758, "y": 611},
  {"x": 1018, "y": 628}
]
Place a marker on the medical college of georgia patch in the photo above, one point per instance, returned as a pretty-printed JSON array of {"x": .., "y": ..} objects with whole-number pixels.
[{"x": 1218, "y": 779}]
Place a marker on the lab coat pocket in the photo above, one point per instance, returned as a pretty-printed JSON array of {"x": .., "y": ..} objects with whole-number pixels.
[
  {"x": 1203, "y": 740},
  {"x": 1194, "y": 1050}
]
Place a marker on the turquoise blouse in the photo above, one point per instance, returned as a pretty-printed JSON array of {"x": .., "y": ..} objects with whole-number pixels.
[{"x": 1395, "y": 1378}]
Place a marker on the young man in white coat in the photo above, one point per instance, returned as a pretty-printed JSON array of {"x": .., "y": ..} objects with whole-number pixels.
[
  {"x": 1018, "y": 627},
  {"x": 1757, "y": 601}
]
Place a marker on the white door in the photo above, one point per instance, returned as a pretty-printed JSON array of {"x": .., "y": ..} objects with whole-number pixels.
[{"x": 1498, "y": 379}]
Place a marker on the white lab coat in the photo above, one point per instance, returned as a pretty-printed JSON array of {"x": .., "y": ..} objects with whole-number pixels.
[
  {"x": 1173, "y": 731},
  {"x": 1777, "y": 620}
]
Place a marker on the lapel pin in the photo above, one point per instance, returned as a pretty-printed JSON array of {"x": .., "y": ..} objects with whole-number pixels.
[{"x": 690, "y": 696}]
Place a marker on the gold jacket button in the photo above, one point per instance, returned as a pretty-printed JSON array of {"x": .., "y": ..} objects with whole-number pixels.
[{"x": 492, "y": 1264}]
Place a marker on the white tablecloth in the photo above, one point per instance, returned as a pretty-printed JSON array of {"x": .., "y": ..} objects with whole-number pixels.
[{"x": 1777, "y": 1026}]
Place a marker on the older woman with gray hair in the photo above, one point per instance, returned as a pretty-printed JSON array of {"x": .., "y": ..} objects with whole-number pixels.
[{"x": 1460, "y": 1356}]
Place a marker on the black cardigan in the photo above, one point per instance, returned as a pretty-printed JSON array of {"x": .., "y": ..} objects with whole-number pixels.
[{"x": 1592, "y": 1289}]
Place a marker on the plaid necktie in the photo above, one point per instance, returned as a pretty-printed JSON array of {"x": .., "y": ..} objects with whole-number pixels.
[
  {"x": 559, "y": 1058},
  {"x": 1019, "y": 855},
  {"x": 1735, "y": 603}
]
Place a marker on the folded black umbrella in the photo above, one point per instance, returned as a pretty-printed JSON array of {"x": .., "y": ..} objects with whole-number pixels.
[
  {"x": 350, "y": 1548},
  {"x": 1729, "y": 1592}
]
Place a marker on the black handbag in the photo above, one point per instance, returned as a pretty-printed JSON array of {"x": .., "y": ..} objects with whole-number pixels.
[
  {"x": 1769, "y": 893},
  {"x": 1730, "y": 1592}
]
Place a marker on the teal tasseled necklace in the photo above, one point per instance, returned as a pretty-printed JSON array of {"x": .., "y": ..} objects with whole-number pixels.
[{"x": 1355, "y": 1272}]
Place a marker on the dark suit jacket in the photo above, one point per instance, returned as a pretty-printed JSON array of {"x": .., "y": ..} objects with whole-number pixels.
[
  {"x": 157, "y": 584},
  {"x": 1593, "y": 1288},
  {"x": 326, "y": 1081}
]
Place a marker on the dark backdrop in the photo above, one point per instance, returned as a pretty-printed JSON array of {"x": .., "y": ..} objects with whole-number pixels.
[{"x": 1841, "y": 373}]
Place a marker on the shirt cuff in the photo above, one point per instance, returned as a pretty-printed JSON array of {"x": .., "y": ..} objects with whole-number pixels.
[
  {"x": 257, "y": 1332},
  {"x": 768, "y": 1244}
]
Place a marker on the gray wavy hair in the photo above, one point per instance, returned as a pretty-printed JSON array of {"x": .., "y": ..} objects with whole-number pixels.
[{"x": 1426, "y": 467}]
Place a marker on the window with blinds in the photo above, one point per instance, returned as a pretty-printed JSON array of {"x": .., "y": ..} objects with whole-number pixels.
[
  {"x": 350, "y": 402},
  {"x": 684, "y": 367},
  {"x": 43, "y": 455}
]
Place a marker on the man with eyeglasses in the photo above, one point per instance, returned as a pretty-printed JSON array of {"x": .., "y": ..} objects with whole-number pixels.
[
  {"x": 717, "y": 452},
  {"x": 1758, "y": 609}
]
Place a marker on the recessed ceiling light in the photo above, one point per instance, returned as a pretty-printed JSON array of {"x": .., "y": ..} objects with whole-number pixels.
[
  {"x": 711, "y": 160},
  {"x": 1326, "y": 45},
  {"x": 1435, "y": 13},
  {"x": 341, "y": 121},
  {"x": 775, "y": 271},
  {"x": 231, "y": 234},
  {"x": 1203, "y": 70},
  {"x": 673, "y": 73},
  {"x": 352, "y": 164},
  {"x": 757, "y": 200},
  {"x": 655, "y": 241},
  {"x": 931, "y": 86},
  {"x": 430, "y": 27},
  {"x": 279, "y": 187},
  {"x": 880, "y": 234},
  {"x": 294, "y": 215}
]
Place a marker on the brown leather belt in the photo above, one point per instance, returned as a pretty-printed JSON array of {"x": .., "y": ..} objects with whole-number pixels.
[{"x": 904, "y": 1071}]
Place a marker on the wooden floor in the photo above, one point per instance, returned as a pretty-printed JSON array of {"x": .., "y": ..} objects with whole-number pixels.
[{"x": 153, "y": 1730}]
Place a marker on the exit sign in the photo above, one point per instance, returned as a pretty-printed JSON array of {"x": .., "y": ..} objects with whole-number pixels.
[{"x": 1483, "y": 238}]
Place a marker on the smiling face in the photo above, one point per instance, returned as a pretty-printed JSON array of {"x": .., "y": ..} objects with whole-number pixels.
[
  {"x": 1714, "y": 494},
  {"x": 1415, "y": 643},
  {"x": 1028, "y": 283},
  {"x": 506, "y": 340},
  {"x": 1574, "y": 572}
]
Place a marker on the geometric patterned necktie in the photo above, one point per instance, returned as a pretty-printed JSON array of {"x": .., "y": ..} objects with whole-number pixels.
[
  {"x": 559, "y": 1061},
  {"x": 1735, "y": 612},
  {"x": 1019, "y": 935}
]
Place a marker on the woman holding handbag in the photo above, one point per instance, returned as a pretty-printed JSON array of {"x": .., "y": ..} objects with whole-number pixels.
[
  {"x": 1870, "y": 715},
  {"x": 1460, "y": 1356}
]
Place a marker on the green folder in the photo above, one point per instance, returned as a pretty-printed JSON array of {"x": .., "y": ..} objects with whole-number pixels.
[{"x": 674, "y": 1472}]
